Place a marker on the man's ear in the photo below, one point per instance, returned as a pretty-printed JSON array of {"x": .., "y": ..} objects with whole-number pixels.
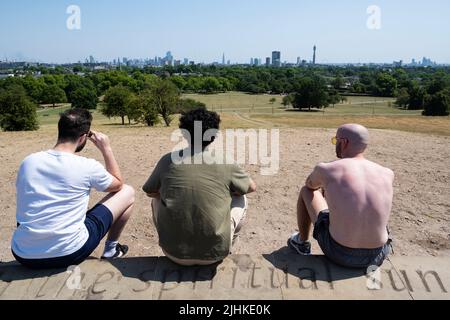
[{"x": 81, "y": 139}]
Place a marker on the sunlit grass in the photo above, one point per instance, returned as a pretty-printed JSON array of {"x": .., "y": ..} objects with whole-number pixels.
[{"x": 240, "y": 110}]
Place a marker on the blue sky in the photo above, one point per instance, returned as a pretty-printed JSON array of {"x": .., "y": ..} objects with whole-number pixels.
[{"x": 202, "y": 30}]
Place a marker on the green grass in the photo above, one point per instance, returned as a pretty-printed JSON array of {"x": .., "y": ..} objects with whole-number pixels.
[
  {"x": 240, "y": 110},
  {"x": 239, "y": 102},
  {"x": 260, "y": 104}
]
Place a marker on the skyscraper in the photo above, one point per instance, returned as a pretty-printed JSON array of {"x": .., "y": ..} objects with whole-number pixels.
[
  {"x": 314, "y": 56},
  {"x": 169, "y": 58},
  {"x": 223, "y": 59},
  {"x": 267, "y": 61},
  {"x": 276, "y": 58}
]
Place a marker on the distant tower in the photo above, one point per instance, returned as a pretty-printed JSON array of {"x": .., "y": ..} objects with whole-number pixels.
[
  {"x": 276, "y": 58},
  {"x": 314, "y": 56},
  {"x": 223, "y": 59}
]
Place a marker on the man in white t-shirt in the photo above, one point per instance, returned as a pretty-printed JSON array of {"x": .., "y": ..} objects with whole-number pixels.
[{"x": 54, "y": 227}]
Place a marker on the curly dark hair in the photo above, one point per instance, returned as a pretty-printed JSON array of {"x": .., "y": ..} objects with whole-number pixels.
[{"x": 210, "y": 120}]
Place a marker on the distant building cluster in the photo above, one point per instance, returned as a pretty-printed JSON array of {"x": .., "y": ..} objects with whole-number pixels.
[
  {"x": 275, "y": 60},
  {"x": 168, "y": 60},
  {"x": 424, "y": 63}
]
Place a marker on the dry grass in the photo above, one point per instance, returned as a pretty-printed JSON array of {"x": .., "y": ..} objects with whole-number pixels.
[
  {"x": 236, "y": 113},
  {"x": 417, "y": 124}
]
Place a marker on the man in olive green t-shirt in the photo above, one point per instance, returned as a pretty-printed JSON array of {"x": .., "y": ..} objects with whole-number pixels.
[{"x": 197, "y": 208}]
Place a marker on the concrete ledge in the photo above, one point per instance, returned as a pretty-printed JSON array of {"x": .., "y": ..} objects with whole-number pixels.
[{"x": 280, "y": 275}]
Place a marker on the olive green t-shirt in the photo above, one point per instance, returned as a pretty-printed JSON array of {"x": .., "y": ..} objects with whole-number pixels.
[{"x": 194, "y": 219}]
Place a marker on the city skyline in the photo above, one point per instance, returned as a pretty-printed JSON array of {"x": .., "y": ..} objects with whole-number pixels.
[
  {"x": 164, "y": 61},
  {"x": 204, "y": 33}
]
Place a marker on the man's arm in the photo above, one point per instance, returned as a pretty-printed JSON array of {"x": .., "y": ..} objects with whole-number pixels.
[
  {"x": 315, "y": 180},
  {"x": 153, "y": 185},
  {"x": 101, "y": 141},
  {"x": 251, "y": 188}
]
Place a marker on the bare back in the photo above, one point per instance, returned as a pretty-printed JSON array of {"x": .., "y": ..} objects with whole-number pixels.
[{"x": 359, "y": 194}]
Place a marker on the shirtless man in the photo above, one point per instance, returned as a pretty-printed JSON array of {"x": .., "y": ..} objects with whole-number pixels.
[{"x": 349, "y": 201}]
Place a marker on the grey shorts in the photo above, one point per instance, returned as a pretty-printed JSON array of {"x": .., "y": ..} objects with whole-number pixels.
[{"x": 346, "y": 257}]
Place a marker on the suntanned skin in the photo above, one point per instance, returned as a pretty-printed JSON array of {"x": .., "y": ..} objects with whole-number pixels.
[{"x": 357, "y": 192}]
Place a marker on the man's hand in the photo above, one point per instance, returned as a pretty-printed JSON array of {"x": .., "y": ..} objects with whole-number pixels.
[{"x": 100, "y": 140}]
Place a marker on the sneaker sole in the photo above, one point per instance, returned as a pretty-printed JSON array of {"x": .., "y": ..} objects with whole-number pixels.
[{"x": 290, "y": 245}]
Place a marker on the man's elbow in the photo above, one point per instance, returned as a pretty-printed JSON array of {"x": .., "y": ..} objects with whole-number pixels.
[
  {"x": 252, "y": 187},
  {"x": 116, "y": 187}
]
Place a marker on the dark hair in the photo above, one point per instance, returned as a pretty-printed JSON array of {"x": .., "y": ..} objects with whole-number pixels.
[
  {"x": 73, "y": 124},
  {"x": 210, "y": 120}
]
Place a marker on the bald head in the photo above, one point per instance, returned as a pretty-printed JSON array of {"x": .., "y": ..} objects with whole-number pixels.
[{"x": 358, "y": 137}]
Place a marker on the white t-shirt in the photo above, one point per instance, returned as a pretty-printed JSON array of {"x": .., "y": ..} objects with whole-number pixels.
[{"x": 53, "y": 191}]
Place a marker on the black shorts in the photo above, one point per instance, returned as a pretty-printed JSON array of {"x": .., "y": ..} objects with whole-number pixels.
[
  {"x": 346, "y": 257},
  {"x": 98, "y": 222}
]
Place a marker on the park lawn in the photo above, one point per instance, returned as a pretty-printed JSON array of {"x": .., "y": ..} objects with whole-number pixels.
[
  {"x": 260, "y": 104},
  {"x": 238, "y": 102},
  {"x": 417, "y": 124},
  {"x": 241, "y": 110}
]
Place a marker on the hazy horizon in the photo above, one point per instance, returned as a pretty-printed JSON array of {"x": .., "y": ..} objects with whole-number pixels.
[{"x": 202, "y": 31}]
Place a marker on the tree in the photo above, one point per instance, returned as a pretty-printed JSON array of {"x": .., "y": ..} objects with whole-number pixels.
[
  {"x": 311, "y": 93},
  {"x": 386, "y": 85},
  {"x": 53, "y": 94},
  {"x": 34, "y": 87},
  {"x": 272, "y": 101},
  {"x": 439, "y": 82},
  {"x": 334, "y": 97},
  {"x": 17, "y": 111},
  {"x": 166, "y": 96},
  {"x": 186, "y": 105},
  {"x": 416, "y": 96},
  {"x": 84, "y": 98},
  {"x": 142, "y": 108},
  {"x": 287, "y": 100},
  {"x": 403, "y": 98},
  {"x": 74, "y": 83},
  {"x": 179, "y": 82},
  {"x": 338, "y": 82},
  {"x": 358, "y": 87},
  {"x": 117, "y": 102},
  {"x": 438, "y": 104},
  {"x": 211, "y": 85}
]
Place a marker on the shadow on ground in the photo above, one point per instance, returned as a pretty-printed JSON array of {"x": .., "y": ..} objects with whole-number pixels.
[
  {"x": 161, "y": 269},
  {"x": 314, "y": 267}
]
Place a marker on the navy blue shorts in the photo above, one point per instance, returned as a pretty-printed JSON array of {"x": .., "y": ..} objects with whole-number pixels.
[
  {"x": 98, "y": 222},
  {"x": 346, "y": 257}
]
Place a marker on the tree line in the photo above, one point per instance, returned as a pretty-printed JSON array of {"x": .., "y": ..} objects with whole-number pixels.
[{"x": 146, "y": 95}]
